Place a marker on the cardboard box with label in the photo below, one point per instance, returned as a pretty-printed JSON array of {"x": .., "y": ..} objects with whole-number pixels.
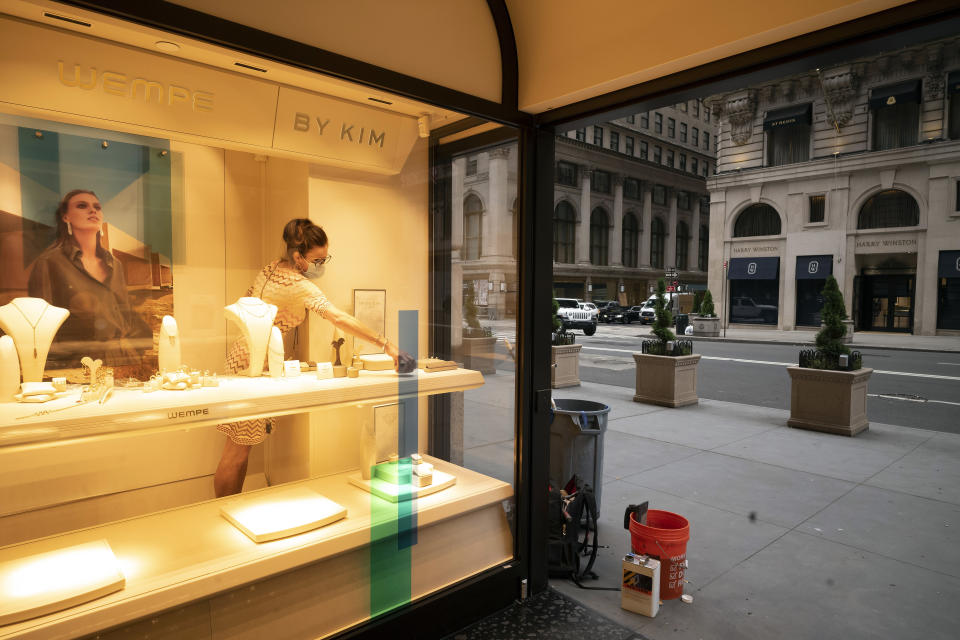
[{"x": 640, "y": 589}]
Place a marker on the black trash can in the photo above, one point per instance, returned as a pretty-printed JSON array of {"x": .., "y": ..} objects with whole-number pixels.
[
  {"x": 576, "y": 443},
  {"x": 682, "y": 320}
]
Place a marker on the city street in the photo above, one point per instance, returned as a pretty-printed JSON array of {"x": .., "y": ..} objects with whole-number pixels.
[{"x": 918, "y": 389}]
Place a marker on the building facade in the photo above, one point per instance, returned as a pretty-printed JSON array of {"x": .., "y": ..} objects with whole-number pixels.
[
  {"x": 630, "y": 203},
  {"x": 850, "y": 171}
]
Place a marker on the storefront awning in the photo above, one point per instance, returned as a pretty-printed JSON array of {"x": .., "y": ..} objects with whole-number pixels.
[
  {"x": 753, "y": 269},
  {"x": 949, "y": 266},
  {"x": 797, "y": 114},
  {"x": 892, "y": 94},
  {"x": 953, "y": 82},
  {"x": 814, "y": 267}
]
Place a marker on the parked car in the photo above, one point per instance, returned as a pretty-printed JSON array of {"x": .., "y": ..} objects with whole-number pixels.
[
  {"x": 611, "y": 313},
  {"x": 648, "y": 308},
  {"x": 573, "y": 317},
  {"x": 592, "y": 308},
  {"x": 743, "y": 309},
  {"x": 632, "y": 314}
]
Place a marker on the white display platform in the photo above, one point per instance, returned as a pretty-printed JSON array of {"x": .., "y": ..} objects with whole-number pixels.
[
  {"x": 37, "y": 584},
  {"x": 400, "y": 492},
  {"x": 236, "y": 398},
  {"x": 190, "y": 553},
  {"x": 283, "y": 512}
]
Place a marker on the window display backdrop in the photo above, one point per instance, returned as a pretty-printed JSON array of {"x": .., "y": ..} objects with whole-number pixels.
[{"x": 208, "y": 219}]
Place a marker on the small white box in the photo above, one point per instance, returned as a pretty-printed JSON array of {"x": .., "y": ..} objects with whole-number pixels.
[
  {"x": 291, "y": 368},
  {"x": 324, "y": 370}
]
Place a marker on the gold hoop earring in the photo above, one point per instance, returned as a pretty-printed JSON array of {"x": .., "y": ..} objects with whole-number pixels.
[{"x": 69, "y": 228}]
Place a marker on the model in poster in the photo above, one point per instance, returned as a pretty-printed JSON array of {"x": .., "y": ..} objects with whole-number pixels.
[
  {"x": 287, "y": 284},
  {"x": 78, "y": 274}
]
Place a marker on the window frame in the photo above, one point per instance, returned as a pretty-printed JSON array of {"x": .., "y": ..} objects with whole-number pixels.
[
  {"x": 657, "y": 122},
  {"x": 599, "y": 240},
  {"x": 561, "y": 247},
  {"x": 614, "y": 140},
  {"x": 671, "y": 127},
  {"x": 597, "y": 136},
  {"x": 683, "y": 132},
  {"x": 809, "y": 222}
]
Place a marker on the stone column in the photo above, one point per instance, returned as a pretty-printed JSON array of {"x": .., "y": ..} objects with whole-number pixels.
[
  {"x": 583, "y": 225},
  {"x": 670, "y": 242},
  {"x": 497, "y": 214},
  {"x": 645, "y": 224},
  {"x": 616, "y": 243},
  {"x": 693, "y": 252}
]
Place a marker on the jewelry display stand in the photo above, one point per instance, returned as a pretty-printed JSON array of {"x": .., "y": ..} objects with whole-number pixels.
[
  {"x": 169, "y": 345},
  {"x": 32, "y": 323},
  {"x": 35, "y": 585},
  {"x": 275, "y": 353},
  {"x": 279, "y": 513},
  {"x": 255, "y": 319},
  {"x": 9, "y": 369}
]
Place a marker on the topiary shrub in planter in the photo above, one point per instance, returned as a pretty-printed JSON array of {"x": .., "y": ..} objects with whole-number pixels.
[
  {"x": 706, "y": 323},
  {"x": 828, "y": 391},
  {"x": 666, "y": 367},
  {"x": 564, "y": 355},
  {"x": 479, "y": 345}
]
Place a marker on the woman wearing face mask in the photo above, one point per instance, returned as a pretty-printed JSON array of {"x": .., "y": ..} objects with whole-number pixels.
[
  {"x": 287, "y": 283},
  {"x": 78, "y": 274}
]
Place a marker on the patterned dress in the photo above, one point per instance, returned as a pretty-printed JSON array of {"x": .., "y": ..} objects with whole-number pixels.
[{"x": 294, "y": 295}]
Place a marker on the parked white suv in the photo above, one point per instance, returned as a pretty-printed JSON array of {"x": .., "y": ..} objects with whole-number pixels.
[
  {"x": 573, "y": 317},
  {"x": 592, "y": 308}
]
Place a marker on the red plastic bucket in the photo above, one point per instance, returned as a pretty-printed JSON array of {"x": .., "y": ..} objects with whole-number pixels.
[{"x": 664, "y": 537}]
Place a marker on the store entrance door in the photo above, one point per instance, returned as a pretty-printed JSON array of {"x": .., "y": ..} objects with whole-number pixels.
[{"x": 886, "y": 303}]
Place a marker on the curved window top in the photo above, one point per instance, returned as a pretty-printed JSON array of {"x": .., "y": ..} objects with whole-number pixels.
[
  {"x": 564, "y": 212},
  {"x": 598, "y": 218},
  {"x": 757, "y": 220},
  {"x": 889, "y": 208}
]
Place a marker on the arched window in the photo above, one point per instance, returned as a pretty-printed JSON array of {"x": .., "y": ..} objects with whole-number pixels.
[
  {"x": 656, "y": 242},
  {"x": 472, "y": 227},
  {"x": 630, "y": 245},
  {"x": 564, "y": 229},
  {"x": 703, "y": 251},
  {"x": 890, "y": 208},
  {"x": 757, "y": 220},
  {"x": 683, "y": 244},
  {"x": 599, "y": 237}
]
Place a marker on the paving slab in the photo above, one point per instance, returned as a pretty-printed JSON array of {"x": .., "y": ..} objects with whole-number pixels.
[
  {"x": 915, "y": 530},
  {"x": 692, "y": 428},
  {"x": 804, "y": 588},
  {"x": 774, "y": 494},
  {"x": 625, "y": 454},
  {"x": 855, "y": 459},
  {"x": 932, "y": 470},
  {"x": 495, "y": 460},
  {"x": 484, "y": 423}
]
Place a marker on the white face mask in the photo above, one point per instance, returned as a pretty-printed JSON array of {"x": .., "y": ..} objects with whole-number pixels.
[{"x": 315, "y": 271}]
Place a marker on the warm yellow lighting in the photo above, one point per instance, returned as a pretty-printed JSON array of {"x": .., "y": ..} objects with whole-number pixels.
[
  {"x": 394, "y": 492},
  {"x": 269, "y": 515},
  {"x": 39, "y": 584}
]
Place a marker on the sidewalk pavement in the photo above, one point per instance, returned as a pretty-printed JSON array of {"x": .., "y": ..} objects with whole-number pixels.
[
  {"x": 861, "y": 339},
  {"x": 793, "y": 534}
]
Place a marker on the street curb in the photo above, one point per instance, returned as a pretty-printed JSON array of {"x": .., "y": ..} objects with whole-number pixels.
[{"x": 811, "y": 343}]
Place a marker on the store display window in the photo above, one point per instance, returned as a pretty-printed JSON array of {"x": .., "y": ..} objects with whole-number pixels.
[{"x": 223, "y": 358}]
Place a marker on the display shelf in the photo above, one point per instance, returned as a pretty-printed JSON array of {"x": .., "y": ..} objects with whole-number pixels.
[
  {"x": 185, "y": 554},
  {"x": 235, "y": 398},
  {"x": 402, "y": 492}
]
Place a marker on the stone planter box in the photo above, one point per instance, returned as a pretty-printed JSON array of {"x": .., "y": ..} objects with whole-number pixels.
[
  {"x": 479, "y": 354},
  {"x": 666, "y": 380},
  {"x": 704, "y": 326},
  {"x": 565, "y": 371},
  {"x": 829, "y": 401}
]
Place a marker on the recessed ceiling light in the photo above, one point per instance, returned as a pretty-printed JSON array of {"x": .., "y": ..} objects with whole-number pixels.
[{"x": 166, "y": 45}]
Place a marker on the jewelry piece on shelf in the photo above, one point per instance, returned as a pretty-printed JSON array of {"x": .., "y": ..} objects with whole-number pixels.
[
  {"x": 44, "y": 412},
  {"x": 33, "y": 325},
  {"x": 168, "y": 347},
  {"x": 336, "y": 347}
]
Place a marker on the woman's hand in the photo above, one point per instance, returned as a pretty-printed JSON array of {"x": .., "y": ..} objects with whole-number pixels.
[{"x": 403, "y": 362}]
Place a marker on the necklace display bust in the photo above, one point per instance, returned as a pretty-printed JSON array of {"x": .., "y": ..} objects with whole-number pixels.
[
  {"x": 9, "y": 369},
  {"x": 32, "y": 323},
  {"x": 168, "y": 348},
  {"x": 275, "y": 353},
  {"x": 254, "y": 317}
]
